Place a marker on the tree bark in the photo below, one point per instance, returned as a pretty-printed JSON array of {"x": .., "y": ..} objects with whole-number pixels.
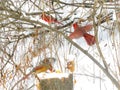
[{"x": 57, "y": 84}]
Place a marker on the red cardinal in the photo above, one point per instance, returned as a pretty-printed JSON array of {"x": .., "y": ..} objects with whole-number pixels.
[
  {"x": 82, "y": 31},
  {"x": 49, "y": 18}
]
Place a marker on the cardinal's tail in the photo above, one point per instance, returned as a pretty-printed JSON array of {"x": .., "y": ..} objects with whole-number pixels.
[{"x": 90, "y": 39}]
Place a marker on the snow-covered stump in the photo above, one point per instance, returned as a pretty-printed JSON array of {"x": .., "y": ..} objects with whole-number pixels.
[{"x": 58, "y": 82}]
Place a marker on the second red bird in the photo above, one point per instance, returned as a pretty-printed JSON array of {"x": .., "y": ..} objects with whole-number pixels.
[{"x": 49, "y": 19}]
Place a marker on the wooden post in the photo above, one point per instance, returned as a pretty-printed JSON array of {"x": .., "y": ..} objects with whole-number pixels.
[{"x": 57, "y": 84}]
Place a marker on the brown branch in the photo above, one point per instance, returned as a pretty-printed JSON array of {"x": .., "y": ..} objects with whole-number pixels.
[{"x": 116, "y": 83}]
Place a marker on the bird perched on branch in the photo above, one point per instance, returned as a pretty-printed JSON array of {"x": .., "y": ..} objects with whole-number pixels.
[
  {"x": 43, "y": 67},
  {"x": 82, "y": 31},
  {"x": 49, "y": 18},
  {"x": 47, "y": 64}
]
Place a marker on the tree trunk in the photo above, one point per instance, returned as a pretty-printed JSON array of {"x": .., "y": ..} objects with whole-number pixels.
[{"x": 57, "y": 84}]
